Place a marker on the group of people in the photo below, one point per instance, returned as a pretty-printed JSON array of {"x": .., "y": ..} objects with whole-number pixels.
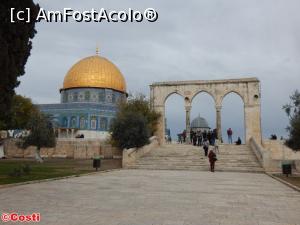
[
  {"x": 198, "y": 137},
  {"x": 207, "y": 139}
]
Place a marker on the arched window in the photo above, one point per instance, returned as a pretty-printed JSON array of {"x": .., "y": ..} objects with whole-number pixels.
[
  {"x": 65, "y": 97},
  {"x": 73, "y": 122},
  {"x": 94, "y": 97},
  {"x": 103, "y": 123},
  {"x": 87, "y": 95},
  {"x": 70, "y": 97},
  {"x": 93, "y": 123},
  {"x": 65, "y": 122},
  {"x": 82, "y": 123},
  {"x": 101, "y": 95},
  {"x": 75, "y": 97},
  {"x": 113, "y": 97}
]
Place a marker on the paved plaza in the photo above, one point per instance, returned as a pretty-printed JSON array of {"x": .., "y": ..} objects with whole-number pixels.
[{"x": 142, "y": 197}]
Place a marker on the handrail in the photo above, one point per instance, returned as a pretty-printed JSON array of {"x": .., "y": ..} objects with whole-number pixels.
[{"x": 259, "y": 152}]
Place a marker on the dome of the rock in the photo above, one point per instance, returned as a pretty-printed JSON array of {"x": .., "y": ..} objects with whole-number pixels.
[{"x": 94, "y": 72}]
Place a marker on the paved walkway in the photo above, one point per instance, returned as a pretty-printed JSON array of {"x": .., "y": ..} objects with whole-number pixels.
[{"x": 142, "y": 197}]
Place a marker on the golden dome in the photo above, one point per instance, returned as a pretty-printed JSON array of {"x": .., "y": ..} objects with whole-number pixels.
[{"x": 97, "y": 72}]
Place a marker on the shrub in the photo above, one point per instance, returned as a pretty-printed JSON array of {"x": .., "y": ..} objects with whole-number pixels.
[
  {"x": 26, "y": 169},
  {"x": 20, "y": 171},
  {"x": 135, "y": 122},
  {"x": 16, "y": 172},
  {"x": 130, "y": 130},
  {"x": 293, "y": 111}
]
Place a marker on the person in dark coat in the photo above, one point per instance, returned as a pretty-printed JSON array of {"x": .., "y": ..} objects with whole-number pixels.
[
  {"x": 199, "y": 138},
  {"x": 184, "y": 135},
  {"x": 204, "y": 135},
  {"x": 239, "y": 141},
  {"x": 205, "y": 146},
  {"x": 194, "y": 139},
  {"x": 212, "y": 160},
  {"x": 209, "y": 137}
]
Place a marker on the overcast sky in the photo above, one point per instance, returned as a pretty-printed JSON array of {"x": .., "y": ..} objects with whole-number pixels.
[{"x": 200, "y": 39}]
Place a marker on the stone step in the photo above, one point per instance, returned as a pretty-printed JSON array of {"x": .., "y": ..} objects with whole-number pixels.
[{"x": 187, "y": 157}]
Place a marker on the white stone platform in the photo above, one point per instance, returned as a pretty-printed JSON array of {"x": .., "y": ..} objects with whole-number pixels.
[{"x": 142, "y": 197}]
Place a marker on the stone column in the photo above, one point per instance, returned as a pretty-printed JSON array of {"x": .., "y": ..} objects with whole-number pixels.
[
  {"x": 219, "y": 122},
  {"x": 253, "y": 122},
  {"x": 188, "y": 123},
  {"x": 160, "y": 132}
]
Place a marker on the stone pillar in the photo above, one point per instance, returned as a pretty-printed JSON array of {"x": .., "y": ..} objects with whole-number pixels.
[
  {"x": 188, "y": 123},
  {"x": 253, "y": 122},
  {"x": 160, "y": 132},
  {"x": 219, "y": 122},
  {"x": 72, "y": 133}
]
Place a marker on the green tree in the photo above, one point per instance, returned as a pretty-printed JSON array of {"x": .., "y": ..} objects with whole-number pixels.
[
  {"x": 129, "y": 130},
  {"x": 139, "y": 104},
  {"x": 15, "y": 45},
  {"x": 135, "y": 122},
  {"x": 21, "y": 111},
  {"x": 41, "y": 134},
  {"x": 293, "y": 111}
]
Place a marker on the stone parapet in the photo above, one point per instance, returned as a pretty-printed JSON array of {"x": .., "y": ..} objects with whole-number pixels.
[
  {"x": 130, "y": 156},
  {"x": 65, "y": 148}
]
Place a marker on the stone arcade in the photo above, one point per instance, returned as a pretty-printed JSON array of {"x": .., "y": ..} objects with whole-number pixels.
[{"x": 248, "y": 89}]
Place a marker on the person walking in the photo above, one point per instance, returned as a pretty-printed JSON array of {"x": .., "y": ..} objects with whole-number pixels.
[
  {"x": 184, "y": 136},
  {"x": 194, "y": 139},
  {"x": 212, "y": 157},
  {"x": 216, "y": 146},
  {"x": 229, "y": 134},
  {"x": 204, "y": 135},
  {"x": 209, "y": 136},
  {"x": 199, "y": 138},
  {"x": 205, "y": 146}
]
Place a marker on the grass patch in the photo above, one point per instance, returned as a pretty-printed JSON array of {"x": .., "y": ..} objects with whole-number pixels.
[{"x": 51, "y": 168}]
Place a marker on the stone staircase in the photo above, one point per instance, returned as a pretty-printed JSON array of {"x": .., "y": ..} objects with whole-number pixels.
[{"x": 188, "y": 157}]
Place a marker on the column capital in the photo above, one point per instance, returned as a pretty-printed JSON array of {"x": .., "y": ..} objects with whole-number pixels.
[
  {"x": 187, "y": 107},
  {"x": 218, "y": 107}
]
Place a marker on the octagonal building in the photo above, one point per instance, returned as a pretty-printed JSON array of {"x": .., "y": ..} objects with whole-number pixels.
[{"x": 91, "y": 89}]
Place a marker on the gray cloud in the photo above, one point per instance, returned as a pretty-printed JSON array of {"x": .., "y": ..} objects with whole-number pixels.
[{"x": 208, "y": 39}]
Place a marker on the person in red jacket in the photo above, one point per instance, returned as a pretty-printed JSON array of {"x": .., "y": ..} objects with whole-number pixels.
[
  {"x": 229, "y": 134},
  {"x": 212, "y": 157}
]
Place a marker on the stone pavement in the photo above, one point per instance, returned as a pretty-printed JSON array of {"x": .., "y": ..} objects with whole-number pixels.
[{"x": 142, "y": 197}]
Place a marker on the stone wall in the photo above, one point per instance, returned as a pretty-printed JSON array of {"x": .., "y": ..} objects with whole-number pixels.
[
  {"x": 272, "y": 153},
  {"x": 65, "y": 148},
  {"x": 131, "y": 155}
]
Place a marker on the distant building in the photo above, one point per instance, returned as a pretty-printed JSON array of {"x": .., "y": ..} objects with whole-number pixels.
[
  {"x": 199, "y": 123},
  {"x": 89, "y": 96}
]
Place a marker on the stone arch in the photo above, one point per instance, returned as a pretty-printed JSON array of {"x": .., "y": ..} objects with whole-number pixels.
[
  {"x": 204, "y": 91},
  {"x": 240, "y": 112},
  {"x": 233, "y": 92},
  {"x": 208, "y": 100},
  {"x": 171, "y": 93},
  {"x": 246, "y": 88},
  {"x": 174, "y": 114}
]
